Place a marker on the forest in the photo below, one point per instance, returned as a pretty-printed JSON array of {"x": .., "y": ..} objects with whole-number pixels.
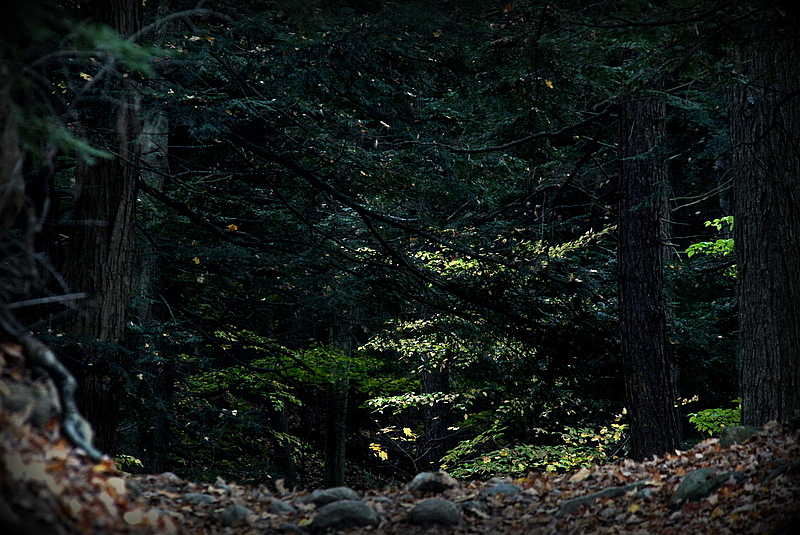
[{"x": 344, "y": 242}]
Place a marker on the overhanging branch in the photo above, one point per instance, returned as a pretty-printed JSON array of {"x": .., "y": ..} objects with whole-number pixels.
[{"x": 357, "y": 207}]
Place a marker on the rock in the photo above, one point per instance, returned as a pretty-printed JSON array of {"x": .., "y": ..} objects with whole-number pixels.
[
  {"x": 194, "y": 497},
  {"x": 325, "y": 496},
  {"x": 570, "y": 506},
  {"x": 781, "y": 468},
  {"x": 171, "y": 478},
  {"x": 435, "y": 511},
  {"x": 233, "y": 514},
  {"x": 220, "y": 485},
  {"x": 475, "y": 508},
  {"x": 431, "y": 482},
  {"x": 736, "y": 434},
  {"x": 505, "y": 489},
  {"x": 691, "y": 481},
  {"x": 344, "y": 514},
  {"x": 700, "y": 483},
  {"x": 291, "y": 528},
  {"x": 279, "y": 507}
]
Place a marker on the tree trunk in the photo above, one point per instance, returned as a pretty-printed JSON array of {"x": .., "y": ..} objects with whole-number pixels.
[
  {"x": 434, "y": 378},
  {"x": 434, "y": 445},
  {"x": 12, "y": 184},
  {"x": 148, "y": 344},
  {"x": 765, "y": 136},
  {"x": 336, "y": 425},
  {"x": 650, "y": 398},
  {"x": 285, "y": 456},
  {"x": 101, "y": 248}
]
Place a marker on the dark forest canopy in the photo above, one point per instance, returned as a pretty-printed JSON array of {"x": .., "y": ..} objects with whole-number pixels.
[{"x": 282, "y": 238}]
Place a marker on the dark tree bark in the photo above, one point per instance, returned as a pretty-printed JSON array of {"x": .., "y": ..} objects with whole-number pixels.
[
  {"x": 157, "y": 383},
  {"x": 336, "y": 423},
  {"x": 434, "y": 379},
  {"x": 99, "y": 264},
  {"x": 765, "y": 137},
  {"x": 12, "y": 184},
  {"x": 434, "y": 444},
  {"x": 101, "y": 250},
  {"x": 285, "y": 456},
  {"x": 649, "y": 393}
]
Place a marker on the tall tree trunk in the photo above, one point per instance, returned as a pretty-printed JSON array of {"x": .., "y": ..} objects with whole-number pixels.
[
  {"x": 434, "y": 379},
  {"x": 650, "y": 398},
  {"x": 434, "y": 415},
  {"x": 12, "y": 184},
  {"x": 765, "y": 136},
  {"x": 285, "y": 456},
  {"x": 101, "y": 249},
  {"x": 99, "y": 264},
  {"x": 336, "y": 424},
  {"x": 148, "y": 345}
]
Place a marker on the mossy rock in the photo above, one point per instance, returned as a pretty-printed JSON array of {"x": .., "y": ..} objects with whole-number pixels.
[{"x": 737, "y": 434}]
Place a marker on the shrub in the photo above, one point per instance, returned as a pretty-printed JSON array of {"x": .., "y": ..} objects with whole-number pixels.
[
  {"x": 711, "y": 421},
  {"x": 579, "y": 448}
]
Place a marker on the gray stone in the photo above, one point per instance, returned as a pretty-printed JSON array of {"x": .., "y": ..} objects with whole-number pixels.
[
  {"x": 570, "y": 506},
  {"x": 431, "y": 482},
  {"x": 700, "y": 483},
  {"x": 435, "y": 511},
  {"x": 233, "y": 514},
  {"x": 194, "y": 497},
  {"x": 344, "y": 514},
  {"x": 170, "y": 477},
  {"x": 737, "y": 434},
  {"x": 504, "y": 489},
  {"x": 474, "y": 507},
  {"x": 325, "y": 496},
  {"x": 781, "y": 468},
  {"x": 291, "y": 528},
  {"x": 220, "y": 484},
  {"x": 688, "y": 487},
  {"x": 279, "y": 507}
]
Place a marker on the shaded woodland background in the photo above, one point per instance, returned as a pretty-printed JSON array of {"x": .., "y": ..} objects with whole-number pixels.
[{"x": 352, "y": 240}]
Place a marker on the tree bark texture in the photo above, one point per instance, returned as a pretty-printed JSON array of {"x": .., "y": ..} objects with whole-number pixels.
[
  {"x": 765, "y": 136},
  {"x": 99, "y": 263},
  {"x": 434, "y": 415},
  {"x": 336, "y": 425},
  {"x": 285, "y": 454},
  {"x": 12, "y": 184},
  {"x": 154, "y": 435},
  {"x": 101, "y": 249},
  {"x": 649, "y": 392}
]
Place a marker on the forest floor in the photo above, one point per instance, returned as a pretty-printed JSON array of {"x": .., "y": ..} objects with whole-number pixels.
[{"x": 48, "y": 487}]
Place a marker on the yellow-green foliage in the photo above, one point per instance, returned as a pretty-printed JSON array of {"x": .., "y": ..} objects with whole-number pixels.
[
  {"x": 579, "y": 448},
  {"x": 126, "y": 461},
  {"x": 711, "y": 421},
  {"x": 719, "y": 247}
]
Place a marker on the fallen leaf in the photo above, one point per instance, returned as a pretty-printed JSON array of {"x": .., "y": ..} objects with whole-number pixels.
[{"x": 580, "y": 475}]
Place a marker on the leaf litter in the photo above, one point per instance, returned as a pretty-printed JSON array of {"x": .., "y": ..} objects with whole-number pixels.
[{"x": 48, "y": 486}]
